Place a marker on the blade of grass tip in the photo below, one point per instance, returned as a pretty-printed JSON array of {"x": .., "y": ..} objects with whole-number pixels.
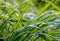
[
  {"x": 19, "y": 22},
  {"x": 49, "y": 3},
  {"x": 46, "y": 6},
  {"x": 2, "y": 26},
  {"x": 57, "y": 8}
]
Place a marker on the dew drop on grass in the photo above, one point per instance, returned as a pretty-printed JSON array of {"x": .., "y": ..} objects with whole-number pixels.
[{"x": 31, "y": 15}]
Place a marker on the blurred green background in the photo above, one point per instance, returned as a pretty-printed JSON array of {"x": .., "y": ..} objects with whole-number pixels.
[{"x": 29, "y": 20}]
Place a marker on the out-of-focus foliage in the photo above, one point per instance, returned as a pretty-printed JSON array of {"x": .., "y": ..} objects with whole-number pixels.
[{"x": 29, "y": 20}]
